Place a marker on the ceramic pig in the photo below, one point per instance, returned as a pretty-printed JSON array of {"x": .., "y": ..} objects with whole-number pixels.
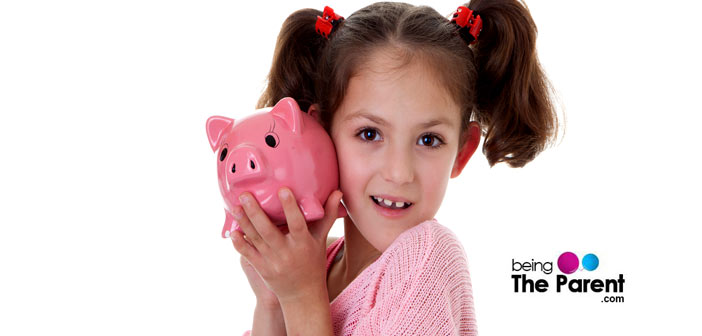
[{"x": 270, "y": 149}]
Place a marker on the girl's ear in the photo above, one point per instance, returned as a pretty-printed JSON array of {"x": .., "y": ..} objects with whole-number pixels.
[
  {"x": 313, "y": 111},
  {"x": 472, "y": 135}
]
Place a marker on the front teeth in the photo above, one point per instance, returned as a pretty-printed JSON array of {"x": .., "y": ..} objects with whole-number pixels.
[{"x": 391, "y": 204}]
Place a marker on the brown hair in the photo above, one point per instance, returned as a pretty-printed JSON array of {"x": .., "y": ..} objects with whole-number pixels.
[{"x": 497, "y": 81}]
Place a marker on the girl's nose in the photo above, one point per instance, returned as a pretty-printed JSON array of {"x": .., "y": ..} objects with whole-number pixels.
[{"x": 399, "y": 166}]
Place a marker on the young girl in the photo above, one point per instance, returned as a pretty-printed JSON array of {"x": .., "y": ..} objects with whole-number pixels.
[{"x": 405, "y": 94}]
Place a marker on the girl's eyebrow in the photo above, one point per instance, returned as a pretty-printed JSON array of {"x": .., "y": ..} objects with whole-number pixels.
[
  {"x": 380, "y": 121},
  {"x": 363, "y": 114},
  {"x": 438, "y": 121}
]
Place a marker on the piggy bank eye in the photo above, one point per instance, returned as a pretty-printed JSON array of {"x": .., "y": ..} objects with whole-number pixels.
[
  {"x": 272, "y": 140},
  {"x": 223, "y": 154}
]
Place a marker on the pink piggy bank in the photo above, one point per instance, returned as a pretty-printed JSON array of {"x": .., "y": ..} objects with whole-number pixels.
[{"x": 272, "y": 148}]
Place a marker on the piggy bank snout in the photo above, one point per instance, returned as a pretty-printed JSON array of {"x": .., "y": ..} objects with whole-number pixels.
[{"x": 244, "y": 163}]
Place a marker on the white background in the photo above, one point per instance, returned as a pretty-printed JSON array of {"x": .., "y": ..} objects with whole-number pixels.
[{"x": 110, "y": 214}]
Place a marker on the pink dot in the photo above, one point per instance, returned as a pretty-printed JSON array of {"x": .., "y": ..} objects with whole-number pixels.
[{"x": 568, "y": 262}]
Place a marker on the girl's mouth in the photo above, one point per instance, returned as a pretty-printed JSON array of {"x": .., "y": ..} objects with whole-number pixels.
[
  {"x": 390, "y": 204},
  {"x": 390, "y": 209}
]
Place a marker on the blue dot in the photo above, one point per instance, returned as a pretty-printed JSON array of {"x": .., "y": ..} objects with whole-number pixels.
[{"x": 590, "y": 262}]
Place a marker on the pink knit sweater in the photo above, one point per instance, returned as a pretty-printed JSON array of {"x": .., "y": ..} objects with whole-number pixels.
[{"x": 420, "y": 285}]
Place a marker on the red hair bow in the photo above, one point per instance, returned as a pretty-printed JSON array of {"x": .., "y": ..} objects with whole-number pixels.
[
  {"x": 471, "y": 24},
  {"x": 327, "y": 22}
]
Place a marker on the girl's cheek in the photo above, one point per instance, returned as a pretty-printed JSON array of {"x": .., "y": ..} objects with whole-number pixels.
[
  {"x": 351, "y": 152},
  {"x": 346, "y": 157},
  {"x": 352, "y": 163}
]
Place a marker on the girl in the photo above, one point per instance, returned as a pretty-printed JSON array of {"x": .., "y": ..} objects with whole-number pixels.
[{"x": 405, "y": 95}]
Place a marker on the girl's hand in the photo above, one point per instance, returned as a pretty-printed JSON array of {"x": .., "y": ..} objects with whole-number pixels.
[
  {"x": 264, "y": 296},
  {"x": 291, "y": 265},
  {"x": 268, "y": 315}
]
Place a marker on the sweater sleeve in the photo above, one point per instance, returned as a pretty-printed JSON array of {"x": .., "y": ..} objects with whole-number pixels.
[
  {"x": 433, "y": 296},
  {"x": 439, "y": 302}
]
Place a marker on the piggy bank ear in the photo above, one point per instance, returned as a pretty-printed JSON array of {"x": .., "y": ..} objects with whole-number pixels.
[
  {"x": 216, "y": 126},
  {"x": 288, "y": 110}
]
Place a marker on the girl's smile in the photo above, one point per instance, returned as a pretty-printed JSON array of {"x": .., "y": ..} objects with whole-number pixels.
[{"x": 390, "y": 209}]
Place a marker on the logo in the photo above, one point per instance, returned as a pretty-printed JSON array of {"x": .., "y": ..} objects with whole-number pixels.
[{"x": 568, "y": 263}]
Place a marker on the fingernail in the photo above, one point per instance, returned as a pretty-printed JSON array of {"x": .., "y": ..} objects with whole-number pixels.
[
  {"x": 284, "y": 193},
  {"x": 237, "y": 214},
  {"x": 244, "y": 199}
]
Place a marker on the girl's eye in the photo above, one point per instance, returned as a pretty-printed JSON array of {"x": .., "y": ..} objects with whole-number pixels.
[
  {"x": 369, "y": 134},
  {"x": 430, "y": 140}
]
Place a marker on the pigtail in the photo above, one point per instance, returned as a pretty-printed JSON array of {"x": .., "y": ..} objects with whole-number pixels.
[
  {"x": 295, "y": 61},
  {"x": 513, "y": 95}
]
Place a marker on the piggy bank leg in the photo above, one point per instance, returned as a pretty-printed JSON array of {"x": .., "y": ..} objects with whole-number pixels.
[
  {"x": 230, "y": 224},
  {"x": 311, "y": 208}
]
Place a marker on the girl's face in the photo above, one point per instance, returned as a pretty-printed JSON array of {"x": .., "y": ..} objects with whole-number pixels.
[{"x": 396, "y": 135}]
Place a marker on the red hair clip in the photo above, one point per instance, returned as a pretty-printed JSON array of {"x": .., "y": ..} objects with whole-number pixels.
[
  {"x": 471, "y": 24},
  {"x": 327, "y": 22}
]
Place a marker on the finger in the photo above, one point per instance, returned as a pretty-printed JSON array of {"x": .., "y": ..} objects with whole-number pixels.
[
  {"x": 342, "y": 211},
  {"x": 296, "y": 221},
  {"x": 244, "y": 248},
  {"x": 267, "y": 231},
  {"x": 248, "y": 229},
  {"x": 321, "y": 228}
]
